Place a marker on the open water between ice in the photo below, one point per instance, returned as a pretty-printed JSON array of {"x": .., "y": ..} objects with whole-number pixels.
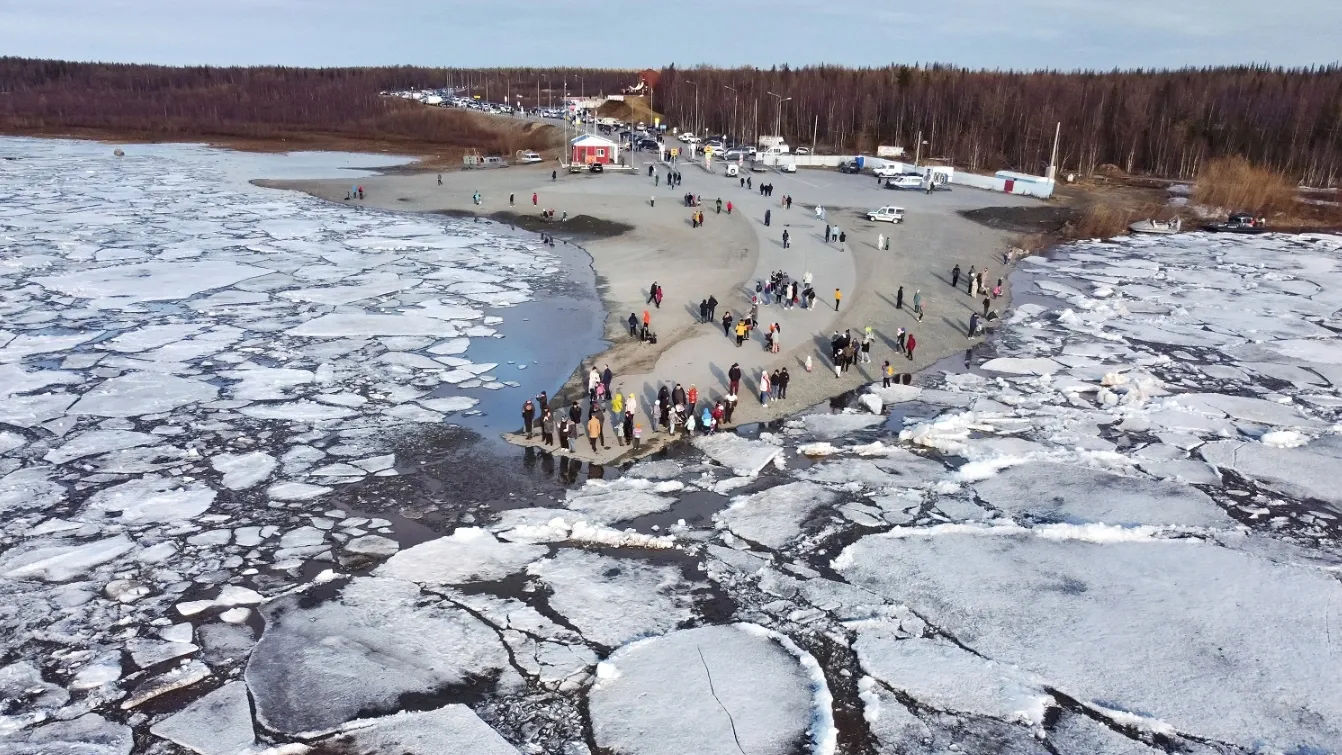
[{"x": 251, "y": 500}]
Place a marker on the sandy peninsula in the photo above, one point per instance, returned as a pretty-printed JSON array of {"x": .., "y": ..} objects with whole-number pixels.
[{"x": 725, "y": 257}]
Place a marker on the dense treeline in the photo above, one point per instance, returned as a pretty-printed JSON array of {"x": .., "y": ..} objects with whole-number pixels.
[
  {"x": 1167, "y": 123},
  {"x": 294, "y": 104}
]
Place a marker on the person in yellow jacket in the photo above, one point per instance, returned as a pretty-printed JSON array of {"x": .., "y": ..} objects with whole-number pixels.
[
  {"x": 617, "y": 411},
  {"x": 838, "y": 296},
  {"x": 593, "y": 431}
]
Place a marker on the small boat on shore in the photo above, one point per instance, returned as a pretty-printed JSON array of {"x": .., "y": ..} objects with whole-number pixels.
[
  {"x": 1162, "y": 227},
  {"x": 1239, "y": 222}
]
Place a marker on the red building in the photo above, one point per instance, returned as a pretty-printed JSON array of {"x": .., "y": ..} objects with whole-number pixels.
[{"x": 590, "y": 148}]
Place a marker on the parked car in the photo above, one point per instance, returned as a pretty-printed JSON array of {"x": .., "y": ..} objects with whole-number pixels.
[
  {"x": 787, "y": 167},
  {"x": 908, "y": 181},
  {"x": 649, "y": 144},
  {"x": 802, "y": 151},
  {"x": 526, "y": 157},
  {"x": 596, "y": 168},
  {"x": 888, "y": 214},
  {"x": 849, "y": 167},
  {"x": 686, "y": 136}
]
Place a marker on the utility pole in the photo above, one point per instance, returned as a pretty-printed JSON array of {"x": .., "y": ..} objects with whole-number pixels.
[
  {"x": 695, "y": 124},
  {"x": 814, "y": 131},
  {"x": 1053, "y": 161},
  {"x": 918, "y": 150}
]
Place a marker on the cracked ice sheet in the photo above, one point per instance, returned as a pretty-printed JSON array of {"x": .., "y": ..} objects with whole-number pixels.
[
  {"x": 469, "y": 554},
  {"x": 1067, "y": 493},
  {"x": 449, "y": 729},
  {"x": 937, "y": 673},
  {"x": 1181, "y": 631},
  {"x": 775, "y": 516},
  {"x": 622, "y": 499},
  {"x": 613, "y": 601},
  {"x": 701, "y": 691},
  {"x": 744, "y": 457},
  {"x": 360, "y": 651}
]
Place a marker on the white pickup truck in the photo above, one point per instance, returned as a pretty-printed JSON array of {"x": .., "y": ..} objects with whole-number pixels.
[
  {"x": 888, "y": 171},
  {"x": 889, "y": 214}
]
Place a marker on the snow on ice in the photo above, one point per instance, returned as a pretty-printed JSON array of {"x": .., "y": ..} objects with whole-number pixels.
[{"x": 1125, "y": 501}]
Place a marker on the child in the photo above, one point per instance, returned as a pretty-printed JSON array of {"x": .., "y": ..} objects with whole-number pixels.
[
  {"x": 887, "y": 372},
  {"x": 638, "y": 435}
]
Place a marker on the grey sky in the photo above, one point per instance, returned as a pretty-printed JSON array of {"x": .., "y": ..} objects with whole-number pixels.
[{"x": 1063, "y": 34}]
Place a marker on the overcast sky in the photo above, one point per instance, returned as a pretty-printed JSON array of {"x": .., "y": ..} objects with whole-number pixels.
[{"x": 1062, "y": 34}]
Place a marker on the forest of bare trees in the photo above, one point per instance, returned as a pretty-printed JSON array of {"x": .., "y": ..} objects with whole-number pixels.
[
  {"x": 293, "y": 104},
  {"x": 1164, "y": 123}
]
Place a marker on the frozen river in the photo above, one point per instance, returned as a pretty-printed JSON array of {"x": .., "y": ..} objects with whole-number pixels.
[{"x": 1116, "y": 534}]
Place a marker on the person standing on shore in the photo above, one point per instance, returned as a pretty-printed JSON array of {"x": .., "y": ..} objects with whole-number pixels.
[
  {"x": 593, "y": 431},
  {"x": 606, "y": 377},
  {"x": 440, "y": 179},
  {"x": 783, "y": 379},
  {"x": 726, "y": 324},
  {"x": 528, "y": 416},
  {"x": 838, "y": 296},
  {"x": 729, "y": 207},
  {"x": 657, "y": 298},
  {"x": 986, "y": 303},
  {"x": 764, "y": 388},
  {"x": 573, "y": 431},
  {"x": 617, "y": 415},
  {"x": 900, "y": 338},
  {"x": 627, "y": 425},
  {"x": 575, "y": 412},
  {"x": 703, "y": 310},
  {"x": 533, "y": 199},
  {"x": 547, "y": 427},
  {"x": 909, "y": 344},
  {"x": 512, "y": 199},
  {"x": 767, "y": 215},
  {"x": 918, "y": 304},
  {"x": 633, "y": 324},
  {"x": 652, "y": 292},
  {"x": 880, "y": 241},
  {"x": 734, "y": 378},
  {"x": 973, "y": 324},
  {"x": 826, "y": 233},
  {"x": 740, "y": 332},
  {"x": 887, "y": 372},
  {"x": 955, "y": 277},
  {"x": 554, "y": 175},
  {"x": 712, "y": 307},
  {"x": 899, "y": 298},
  {"x": 997, "y": 290}
]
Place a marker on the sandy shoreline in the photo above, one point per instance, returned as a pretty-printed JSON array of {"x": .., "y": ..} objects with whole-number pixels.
[{"x": 724, "y": 258}]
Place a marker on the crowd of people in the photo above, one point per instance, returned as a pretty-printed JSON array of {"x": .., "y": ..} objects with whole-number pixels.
[{"x": 675, "y": 410}]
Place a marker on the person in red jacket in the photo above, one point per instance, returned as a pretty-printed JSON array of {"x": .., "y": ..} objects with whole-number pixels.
[{"x": 909, "y": 343}]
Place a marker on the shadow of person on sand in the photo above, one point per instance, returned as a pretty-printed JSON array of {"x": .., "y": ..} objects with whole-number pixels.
[{"x": 719, "y": 374}]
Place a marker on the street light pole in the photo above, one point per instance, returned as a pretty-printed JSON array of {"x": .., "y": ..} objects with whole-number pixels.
[
  {"x": 736, "y": 98},
  {"x": 778, "y": 123}
]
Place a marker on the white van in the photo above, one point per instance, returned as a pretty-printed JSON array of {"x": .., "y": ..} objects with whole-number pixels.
[{"x": 778, "y": 149}]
